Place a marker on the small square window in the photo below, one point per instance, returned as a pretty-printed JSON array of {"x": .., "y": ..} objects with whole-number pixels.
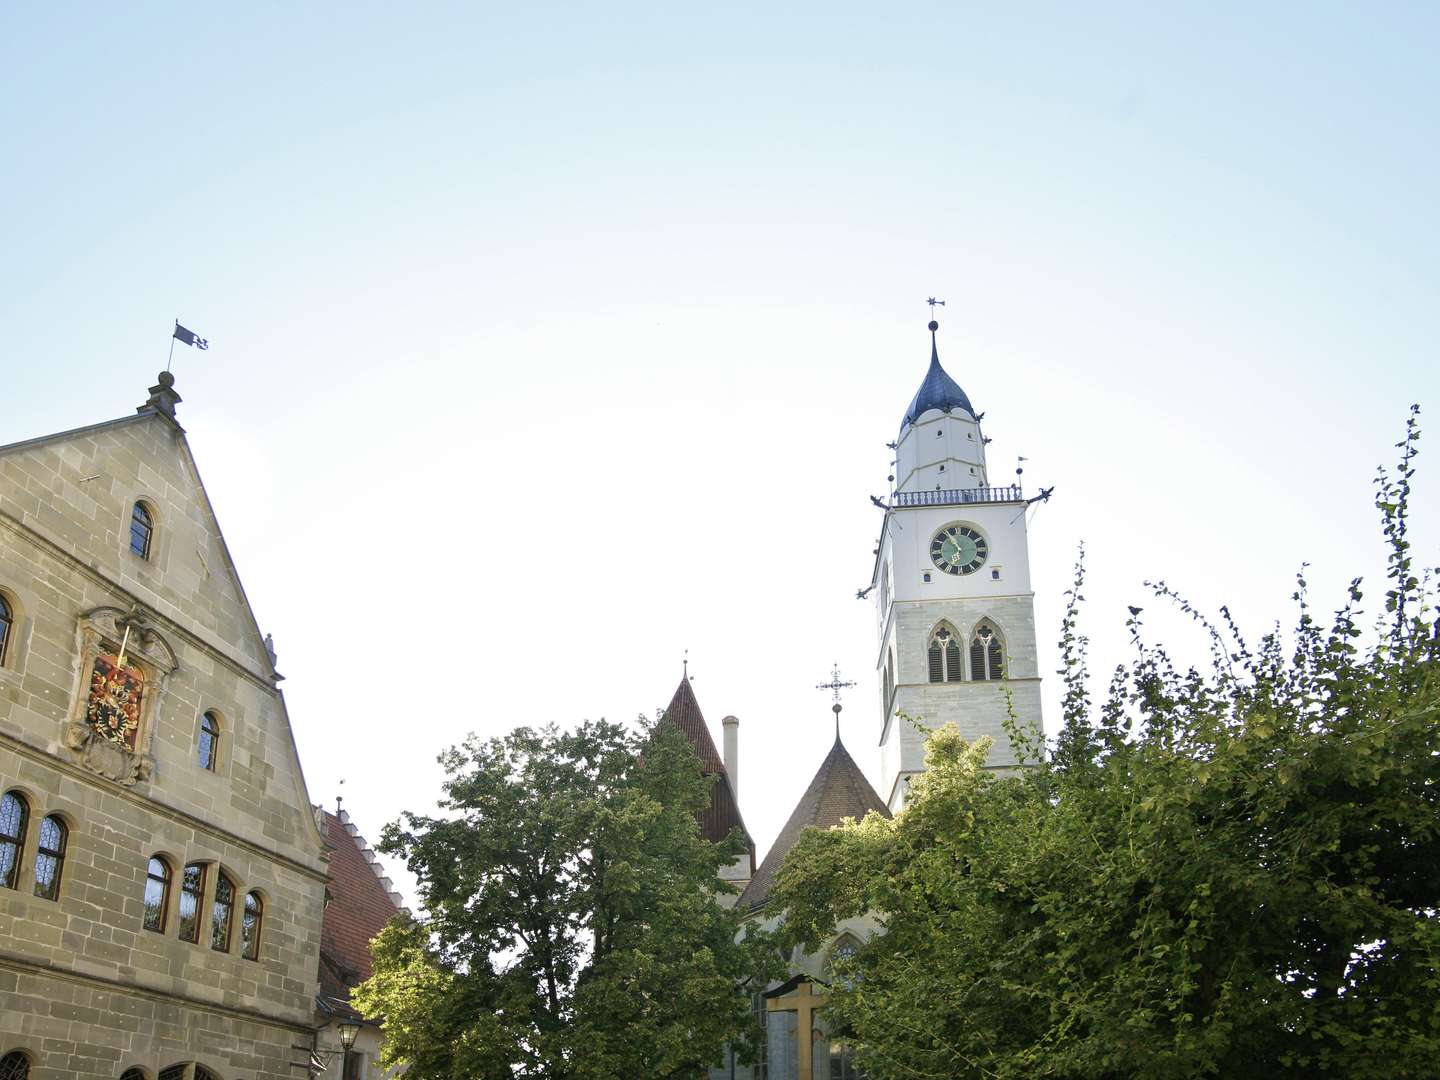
[
  {"x": 995, "y": 575},
  {"x": 927, "y": 576}
]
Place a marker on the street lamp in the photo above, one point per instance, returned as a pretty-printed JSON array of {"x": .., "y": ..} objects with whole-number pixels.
[{"x": 348, "y": 1030}]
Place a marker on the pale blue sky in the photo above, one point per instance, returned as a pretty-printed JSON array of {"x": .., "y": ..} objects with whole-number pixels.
[{"x": 653, "y": 281}]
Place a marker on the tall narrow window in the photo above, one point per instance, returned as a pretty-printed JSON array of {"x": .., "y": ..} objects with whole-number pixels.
[
  {"x": 944, "y": 656},
  {"x": 50, "y": 858},
  {"x": 987, "y": 655},
  {"x": 192, "y": 892},
  {"x": 14, "y": 815},
  {"x": 209, "y": 741},
  {"x": 142, "y": 530},
  {"x": 15, "y": 1066},
  {"x": 7, "y": 621},
  {"x": 222, "y": 914},
  {"x": 250, "y": 926},
  {"x": 157, "y": 894}
]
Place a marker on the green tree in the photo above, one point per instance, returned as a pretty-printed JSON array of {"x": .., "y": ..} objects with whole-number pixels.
[
  {"x": 1226, "y": 873},
  {"x": 572, "y": 927}
]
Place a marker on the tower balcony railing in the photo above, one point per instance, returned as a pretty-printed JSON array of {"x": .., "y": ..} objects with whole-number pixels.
[{"x": 959, "y": 496}]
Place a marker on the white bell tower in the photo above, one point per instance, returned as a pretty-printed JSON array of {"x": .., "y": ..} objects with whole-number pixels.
[{"x": 955, "y": 613}]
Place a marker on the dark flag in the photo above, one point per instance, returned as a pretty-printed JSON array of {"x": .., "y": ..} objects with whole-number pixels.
[{"x": 189, "y": 337}]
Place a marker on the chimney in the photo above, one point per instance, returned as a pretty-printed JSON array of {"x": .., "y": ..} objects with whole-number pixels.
[{"x": 732, "y": 752}]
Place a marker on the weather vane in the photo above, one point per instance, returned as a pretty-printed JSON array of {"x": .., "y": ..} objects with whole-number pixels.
[
  {"x": 835, "y": 685},
  {"x": 934, "y": 304}
]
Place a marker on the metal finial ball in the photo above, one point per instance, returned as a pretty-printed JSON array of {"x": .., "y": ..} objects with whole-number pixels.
[
  {"x": 166, "y": 379},
  {"x": 934, "y": 326},
  {"x": 836, "y": 708}
]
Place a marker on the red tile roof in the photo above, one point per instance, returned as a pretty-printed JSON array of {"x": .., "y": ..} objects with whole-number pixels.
[
  {"x": 838, "y": 791},
  {"x": 358, "y": 909},
  {"x": 723, "y": 813}
]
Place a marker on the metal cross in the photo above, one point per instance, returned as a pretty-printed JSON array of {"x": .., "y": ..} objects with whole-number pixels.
[{"x": 834, "y": 685}]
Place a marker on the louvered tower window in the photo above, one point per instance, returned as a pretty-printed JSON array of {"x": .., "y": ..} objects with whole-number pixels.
[
  {"x": 944, "y": 656},
  {"x": 987, "y": 655}
]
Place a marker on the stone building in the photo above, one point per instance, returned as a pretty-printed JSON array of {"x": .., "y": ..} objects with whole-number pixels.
[{"x": 162, "y": 875}]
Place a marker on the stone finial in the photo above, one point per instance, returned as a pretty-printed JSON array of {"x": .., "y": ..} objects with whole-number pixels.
[{"x": 163, "y": 397}]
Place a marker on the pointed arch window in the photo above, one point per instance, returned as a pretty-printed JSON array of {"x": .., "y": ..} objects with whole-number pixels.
[
  {"x": 987, "y": 654},
  {"x": 209, "y": 741},
  {"x": 133, "y": 1074},
  {"x": 250, "y": 926},
  {"x": 943, "y": 656},
  {"x": 7, "y": 622},
  {"x": 192, "y": 893},
  {"x": 14, "y": 816},
  {"x": 50, "y": 858},
  {"x": 15, "y": 1066},
  {"x": 142, "y": 530},
  {"x": 222, "y": 914},
  {"x": 157, "y": 894}
]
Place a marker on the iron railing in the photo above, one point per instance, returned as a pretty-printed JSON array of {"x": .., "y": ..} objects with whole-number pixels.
[{"x": 959, "y": 496}]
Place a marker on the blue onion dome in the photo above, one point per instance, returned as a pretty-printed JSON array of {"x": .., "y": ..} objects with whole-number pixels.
[{"x": 938, "y": 391}]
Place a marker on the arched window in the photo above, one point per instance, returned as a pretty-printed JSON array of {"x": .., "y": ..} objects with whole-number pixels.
[
  {"x": 209, "y": 741},
  {"x": 944, "y": 656},
  {"x": 7, "y": 622},
  {"x": 15, "y": 1066},
  {"x": 987, "y": 656},
  {"x": 192, "y": 893},
  {"x": 250, "y": 926},
  {"x": 133, "y": 1074},
  {"x": 50, "y": 858},
  {"x": 142, "y": 530},
  {"x": 202, "y": 1073},
  {"x": 14, "y": 815},
  {"x": 174, "y": 1072},
  {"x": 157, "y": 894},
  {"x": 222, "y": 914}
]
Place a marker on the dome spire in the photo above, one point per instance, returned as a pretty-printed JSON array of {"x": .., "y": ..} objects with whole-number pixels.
[{"x": 938, "y": 390}]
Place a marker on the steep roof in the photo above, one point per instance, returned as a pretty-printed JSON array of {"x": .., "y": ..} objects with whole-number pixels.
[
  {"x": 360, "y": 905},
  {"x": 723, "y": 813},
  {"x": 838, "y": 791},
  {"x": 937, "y": 391}
]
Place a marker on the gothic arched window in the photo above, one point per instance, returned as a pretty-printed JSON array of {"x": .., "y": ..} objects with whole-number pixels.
[
  {"x": 50, "y": 858},
  {"x": 142, "y": 530},
  {"x": 944, "y": 655},
  {"x": 250, "y": 926},
  {"x": 209, "y": 741},
  {"x": 157, "y": 894},
  {"x": 192, "y": 892},
  {"x": 15, "y": 1066},
  {"x": 987, "y": 655},
  {"x": 7, "y": 621},
  {"x": 133, "y": 1074},
  {"x": 222, "y": 914},
  {"x": 14, "y": 815}
]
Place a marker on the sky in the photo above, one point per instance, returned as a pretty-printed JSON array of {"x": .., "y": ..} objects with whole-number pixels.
[{"x": 549, "y": 342}]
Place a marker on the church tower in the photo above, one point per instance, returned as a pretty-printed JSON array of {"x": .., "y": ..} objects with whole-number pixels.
[{"x": 954, "y": 610}]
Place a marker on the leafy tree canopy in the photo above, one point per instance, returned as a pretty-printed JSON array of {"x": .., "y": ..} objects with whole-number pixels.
[
  {"x": 572, "y": 927},
  {"x": 1229, "y": 872}
]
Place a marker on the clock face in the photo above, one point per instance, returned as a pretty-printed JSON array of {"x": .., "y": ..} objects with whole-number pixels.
[{"x": 958, "y": 549}]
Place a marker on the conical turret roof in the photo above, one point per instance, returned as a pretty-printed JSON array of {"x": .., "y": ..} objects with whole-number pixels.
[
  {"x": 838, "y": 791},
  {"x": 723, "y": 813},
  {"x": 937, "y": 391}
]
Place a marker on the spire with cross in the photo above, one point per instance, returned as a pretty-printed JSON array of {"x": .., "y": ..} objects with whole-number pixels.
[{"x": 835, "y": 685}]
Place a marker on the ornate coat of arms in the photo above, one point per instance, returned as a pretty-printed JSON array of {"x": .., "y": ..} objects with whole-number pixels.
[{"x": 116, "y": 695}]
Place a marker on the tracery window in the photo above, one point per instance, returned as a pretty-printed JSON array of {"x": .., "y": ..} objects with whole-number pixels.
[
  {"x": 192, "y": 890},
  {"x": 7, "y": 620},
  {"x": 222, "y": 914},
  {"x": 133, "y": 1074},
  {"x": 250, "y": 926},
  {"x": 50, "y": 858},
  {"x": 157, "y": 894},
  {"x": 174, "y": 1072},
  {"x": 15, "y": 1066},
  {"x": 142, "y": 530},
  {"x": 209, "y": 741},
  {"x": 987, "y": 656},
  {"x": 944, "y": 656},
  {"x": 14, "y": 815},
  {"x": 202, "y": 1073}
]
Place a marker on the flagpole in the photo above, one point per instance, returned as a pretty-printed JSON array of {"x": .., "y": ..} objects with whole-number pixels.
[{"x": 172, "y": 346}]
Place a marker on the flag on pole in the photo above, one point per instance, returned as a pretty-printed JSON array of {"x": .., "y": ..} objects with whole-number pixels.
[{"x": 189, "y": 337}]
